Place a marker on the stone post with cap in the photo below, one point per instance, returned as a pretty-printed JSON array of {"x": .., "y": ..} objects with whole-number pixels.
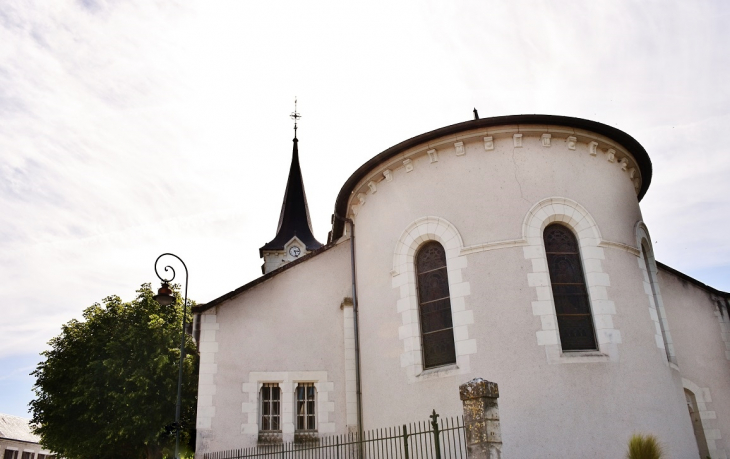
[{"x": 481, "y": 419}]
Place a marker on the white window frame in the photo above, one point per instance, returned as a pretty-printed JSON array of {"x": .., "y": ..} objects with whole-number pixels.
[
  {"x": 403, "y": 274},
  {"x": 262, "y": 402},
  {"x": 306, "y": 413},
  {"x": 579, "y": 220},
  {"x": 287, "y": 382}
]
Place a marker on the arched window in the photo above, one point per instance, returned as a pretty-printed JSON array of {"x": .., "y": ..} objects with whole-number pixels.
[
  {"x": 572, "y": 307},
  {"x": 649, "y": 273},
  {"x": 434, "y": 306},
  {"x": 694, "y": 415}
]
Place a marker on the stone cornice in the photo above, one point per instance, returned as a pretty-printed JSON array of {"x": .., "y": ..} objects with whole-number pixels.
[
  {"x": 549, "y": 136},
  {"x": 572, "y": 130}
]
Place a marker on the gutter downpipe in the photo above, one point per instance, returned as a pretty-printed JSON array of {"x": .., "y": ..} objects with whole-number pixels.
[{"x": 355, "y": 314}]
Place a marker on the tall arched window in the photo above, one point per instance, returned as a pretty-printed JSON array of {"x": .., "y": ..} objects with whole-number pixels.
[
  {"x": 649, "y": 273},
  {"x": 575, "y": 322},
  {"x": 694, "y": 414},
  {"x": 434, "y": 306}
]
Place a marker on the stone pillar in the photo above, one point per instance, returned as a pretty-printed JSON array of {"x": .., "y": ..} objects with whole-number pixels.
[{"x": 481, "y": 419}]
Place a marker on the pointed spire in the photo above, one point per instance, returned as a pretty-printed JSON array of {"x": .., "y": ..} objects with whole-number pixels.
[{"x": 294, "y": 218}]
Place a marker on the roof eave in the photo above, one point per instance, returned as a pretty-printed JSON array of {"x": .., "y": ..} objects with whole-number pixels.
[{"x": 259, "y": 280}]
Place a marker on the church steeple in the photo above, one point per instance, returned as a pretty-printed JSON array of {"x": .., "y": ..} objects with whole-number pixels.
[{"x": 294, "y": 236}]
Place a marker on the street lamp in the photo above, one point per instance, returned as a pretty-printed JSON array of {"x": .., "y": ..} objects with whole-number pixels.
[{"x": 165, "y": 298}]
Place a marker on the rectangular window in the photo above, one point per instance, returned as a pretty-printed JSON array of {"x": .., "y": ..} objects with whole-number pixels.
[
  {"x": 271, "y": 407},
  {"x": 27, "y": 455},
  {"x": 10, "y": 454},
  {"x": 305, "y": 407}
]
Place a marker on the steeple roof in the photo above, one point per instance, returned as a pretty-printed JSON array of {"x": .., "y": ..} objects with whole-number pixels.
[{"x": 294, "y": 217}]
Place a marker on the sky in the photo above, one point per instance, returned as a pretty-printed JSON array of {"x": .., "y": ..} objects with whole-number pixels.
[{"x": 129, "y": 128}]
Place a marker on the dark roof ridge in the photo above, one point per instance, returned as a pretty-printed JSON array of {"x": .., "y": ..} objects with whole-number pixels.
[
  {"x": 692, "y": 280},
  {"x": 628, "y": 142},
  {"x": 259, "y": 280}
]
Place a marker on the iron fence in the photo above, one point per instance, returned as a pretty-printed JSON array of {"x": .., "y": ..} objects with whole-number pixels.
[{"x": 435, "y": 439}]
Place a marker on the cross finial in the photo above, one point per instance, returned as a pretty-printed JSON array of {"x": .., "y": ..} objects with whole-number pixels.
[
  {"x": 434, "y": 417},
  {"x": 295, "y": 116}
]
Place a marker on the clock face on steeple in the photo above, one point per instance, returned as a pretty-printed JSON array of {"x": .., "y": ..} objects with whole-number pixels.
[{"x": 295, "y": 251}]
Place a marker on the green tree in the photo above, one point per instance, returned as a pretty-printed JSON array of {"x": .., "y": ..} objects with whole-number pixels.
[{"x": 108, "y": 385}]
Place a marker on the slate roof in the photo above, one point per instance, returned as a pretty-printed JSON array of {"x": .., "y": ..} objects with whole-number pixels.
[
  {"x": 294, "y": 217},
  {"x": 15, "y": 428}
]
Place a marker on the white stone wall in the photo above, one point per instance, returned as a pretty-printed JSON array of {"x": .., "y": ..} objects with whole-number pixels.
[
  {"x": 487, "y": 196},
  {"x": 404, "y": 279},
  {"x": 575, "y": 217},
  {"x": 699, "y": 329},
  {"x": 708, "y": 418},
  {"x": 283, "y": 330},
  {"x": 287, "y": 381},
  {"x": 662, "y": 331},
  {"x": 208, "y": 348}
]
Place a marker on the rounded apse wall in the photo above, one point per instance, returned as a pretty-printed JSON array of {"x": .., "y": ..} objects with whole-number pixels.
[{"x": 486, "y": 195}]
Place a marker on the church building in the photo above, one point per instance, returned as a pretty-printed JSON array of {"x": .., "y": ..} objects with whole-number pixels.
[{"x": 510, "y": 248}]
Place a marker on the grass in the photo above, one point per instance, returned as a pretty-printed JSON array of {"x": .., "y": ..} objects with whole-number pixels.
[{"x": 644, "y": 447}]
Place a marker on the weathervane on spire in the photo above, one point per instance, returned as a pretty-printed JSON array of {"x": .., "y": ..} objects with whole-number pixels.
[{"x": 295, "y": 116}]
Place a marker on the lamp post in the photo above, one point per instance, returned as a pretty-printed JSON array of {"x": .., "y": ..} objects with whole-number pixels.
[{"x": 165, "y": 298}]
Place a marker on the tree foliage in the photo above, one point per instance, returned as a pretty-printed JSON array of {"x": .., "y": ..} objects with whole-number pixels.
[{"x": 108, "y": 385}]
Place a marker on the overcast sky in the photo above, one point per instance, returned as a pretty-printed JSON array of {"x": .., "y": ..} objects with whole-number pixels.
[{"x": 132, "y": 128}]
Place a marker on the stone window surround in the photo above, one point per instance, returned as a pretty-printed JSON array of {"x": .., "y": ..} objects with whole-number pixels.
[
  {"x": 656, "y": 308},
  {"x": 208, "y": 348},
  {"x": 580, "y": 221},
  {"x": 287, "y": 381},
  {"x": 546, "y": 211},
  {"x": 404, "y": 278},
  {"x": 708, "y": 418}
]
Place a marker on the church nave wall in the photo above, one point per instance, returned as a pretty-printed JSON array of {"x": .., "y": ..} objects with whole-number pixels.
[{"x": 285, "y": 331}]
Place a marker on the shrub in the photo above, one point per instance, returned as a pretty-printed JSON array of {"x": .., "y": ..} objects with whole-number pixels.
[{"x": 644, "y": 447}]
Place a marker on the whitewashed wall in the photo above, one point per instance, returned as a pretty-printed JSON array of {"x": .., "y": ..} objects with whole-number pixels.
[
  {"x": 487, "y": 202},
  {"x": 486, "y": 196},
  {"x": 700, "y": 332},
  {"x": 287, "y": 329}
]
